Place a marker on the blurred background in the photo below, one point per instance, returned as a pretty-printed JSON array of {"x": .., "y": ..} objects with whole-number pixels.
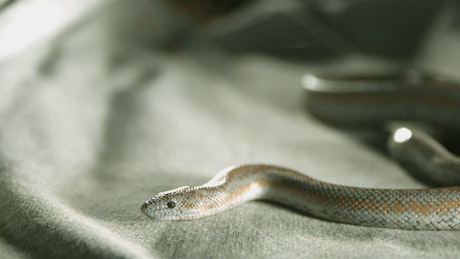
[{"x": 413, "y": 32}]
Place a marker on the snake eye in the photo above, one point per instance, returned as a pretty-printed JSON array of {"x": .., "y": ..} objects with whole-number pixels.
[{"x": 171, "y": 204}]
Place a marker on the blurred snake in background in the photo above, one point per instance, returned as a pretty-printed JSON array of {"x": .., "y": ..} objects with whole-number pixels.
[{"x": 373, "y": 101}]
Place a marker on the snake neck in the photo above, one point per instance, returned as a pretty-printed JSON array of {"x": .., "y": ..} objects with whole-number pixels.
[{"x": 235, "y": 186}]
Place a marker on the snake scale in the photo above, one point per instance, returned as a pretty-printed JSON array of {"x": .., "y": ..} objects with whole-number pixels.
[{"x": 360, "y": 101}]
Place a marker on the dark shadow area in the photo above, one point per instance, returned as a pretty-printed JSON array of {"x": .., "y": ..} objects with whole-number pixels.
[
  {"x": 391, "y": 29},
  {"x": 206, "y": 10},
  {"x": 317, "y": 31},
  {"x": 5, "y": 4},
  {"x": 296, "y": 38}
]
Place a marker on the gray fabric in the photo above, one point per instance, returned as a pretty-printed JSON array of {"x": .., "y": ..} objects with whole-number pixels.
[{"x": 97, "y": 120}]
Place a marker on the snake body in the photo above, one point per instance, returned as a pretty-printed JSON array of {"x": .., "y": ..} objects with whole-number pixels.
[{"x": 355, "y": 101}]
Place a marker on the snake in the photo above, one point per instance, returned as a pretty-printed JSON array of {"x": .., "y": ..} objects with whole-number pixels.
[{"x": 373, "y": 101}]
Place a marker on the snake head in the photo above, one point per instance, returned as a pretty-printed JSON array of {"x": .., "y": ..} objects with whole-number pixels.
[{"x": 169, "y": 205}]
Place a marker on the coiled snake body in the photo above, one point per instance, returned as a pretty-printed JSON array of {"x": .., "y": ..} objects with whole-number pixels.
[{"x": 368, "y": 101}]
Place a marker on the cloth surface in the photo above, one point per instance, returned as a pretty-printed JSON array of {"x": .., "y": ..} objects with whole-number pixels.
[{"x": 101, "y": 117}]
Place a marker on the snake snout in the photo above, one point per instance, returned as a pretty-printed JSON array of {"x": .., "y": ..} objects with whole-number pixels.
[{"x": 144, "y": 207}]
